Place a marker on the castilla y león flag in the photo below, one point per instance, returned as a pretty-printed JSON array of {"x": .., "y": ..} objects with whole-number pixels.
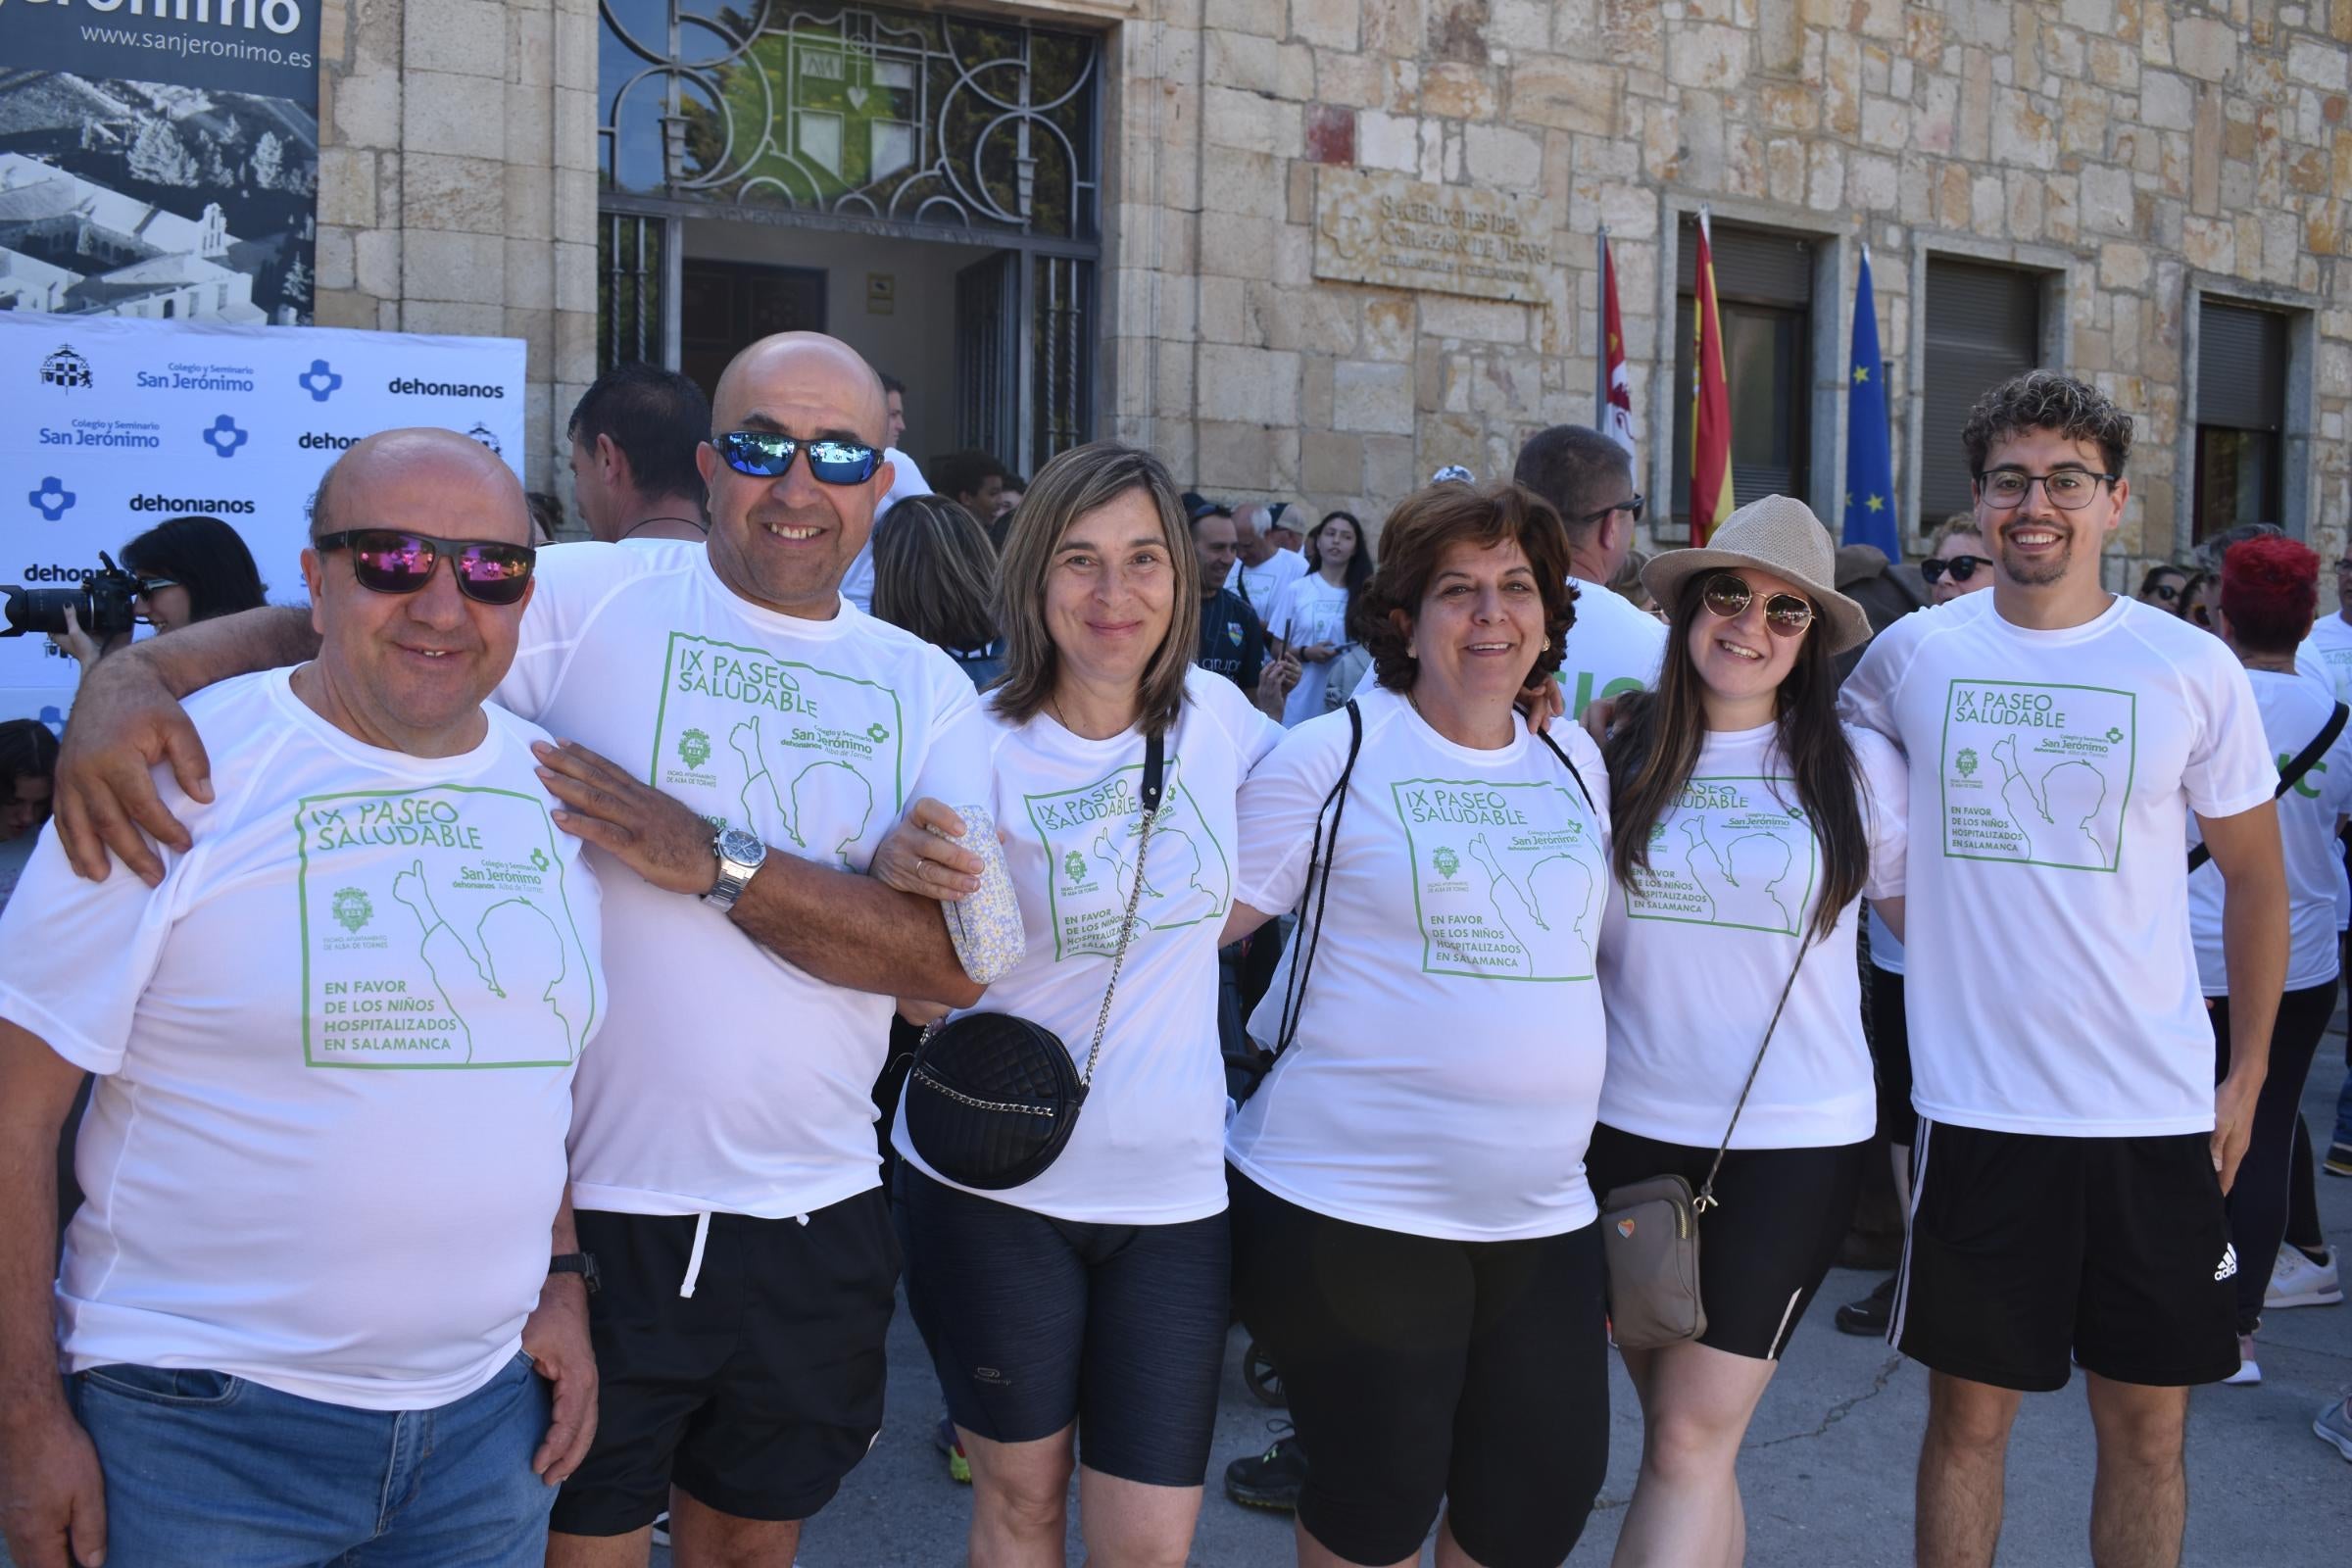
[
  {"x": 1616, "y": 385},
  {"x": 1710, "y": 402}
]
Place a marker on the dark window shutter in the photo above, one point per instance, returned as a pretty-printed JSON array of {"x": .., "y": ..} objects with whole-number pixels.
[
  {"x": 1755, "y": 265},
  {"x": 2241, "y": 366},
  {"x": 1983, "y": 326}
]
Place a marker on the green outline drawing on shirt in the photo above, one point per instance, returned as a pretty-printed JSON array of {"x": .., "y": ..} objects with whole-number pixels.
[
  {"x": 525, "y": 952},
  {"x": 1739, "y": 856},
  {"x": 1537, "y": 858},
  {"x": 1089, "y": 850},
  {"x": 2030, "y": 772},
  {"x": 810, "y": 731}
]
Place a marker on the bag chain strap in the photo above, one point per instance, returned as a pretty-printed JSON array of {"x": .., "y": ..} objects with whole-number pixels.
[
  {"x": 1706, "y": 1198},
  {"x": 1118, "y": 958}
]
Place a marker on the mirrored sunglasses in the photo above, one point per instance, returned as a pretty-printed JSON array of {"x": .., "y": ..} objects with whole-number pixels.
[
  {"x": 392, "y": 561},
  {"x": 1784, "y": 614},
  {"x": 767, "y": 454}
]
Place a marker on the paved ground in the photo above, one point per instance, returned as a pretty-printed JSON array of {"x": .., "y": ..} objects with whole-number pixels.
[{"x": 1827, "y": 1474}]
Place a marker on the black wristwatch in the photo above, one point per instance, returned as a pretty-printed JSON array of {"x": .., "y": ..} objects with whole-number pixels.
[{"x": 581, "y": 1263}]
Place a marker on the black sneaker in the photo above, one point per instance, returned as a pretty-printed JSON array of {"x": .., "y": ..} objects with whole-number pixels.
[
  {"x": 1272, "y": 1479},
  {"x": 1869, "y": 1315}
]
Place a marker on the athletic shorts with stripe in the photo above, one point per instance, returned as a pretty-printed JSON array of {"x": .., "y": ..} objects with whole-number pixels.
[
  {"x": 2029, "y": 1252},
  {"x": 1779, "y": 1218}
]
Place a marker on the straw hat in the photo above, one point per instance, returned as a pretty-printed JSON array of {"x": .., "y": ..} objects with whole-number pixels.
[{"x": 1776, "y": 534}]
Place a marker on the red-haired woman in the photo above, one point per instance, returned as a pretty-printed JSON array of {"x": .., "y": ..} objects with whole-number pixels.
[{"x": 2269, "y": 590}]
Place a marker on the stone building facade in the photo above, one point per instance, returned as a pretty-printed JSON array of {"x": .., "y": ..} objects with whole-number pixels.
[{"x": 2149, "y": 174}]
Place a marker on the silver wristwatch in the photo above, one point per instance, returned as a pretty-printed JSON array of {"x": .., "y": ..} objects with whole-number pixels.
[{"x": 739, "y": 856}]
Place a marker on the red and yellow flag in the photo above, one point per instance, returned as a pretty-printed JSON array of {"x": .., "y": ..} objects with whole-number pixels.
[{"x": 1710, "y": 402}]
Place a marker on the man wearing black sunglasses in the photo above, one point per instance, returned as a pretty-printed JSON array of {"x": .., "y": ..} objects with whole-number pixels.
[
  {"x": 1612, "y": 648},
  {"x": 334, "y": 1052},
  {"x": 722, "y": 1141}
]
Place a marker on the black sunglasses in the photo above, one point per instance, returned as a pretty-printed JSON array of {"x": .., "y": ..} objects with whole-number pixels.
[
  {"x": 1784, "y": 614},
  {"x": 767, "y": 454},
  {"x": 1632, "y": 506},
  {"x": 1962, "y": 568},
  {"x": 393, "y": 561}
]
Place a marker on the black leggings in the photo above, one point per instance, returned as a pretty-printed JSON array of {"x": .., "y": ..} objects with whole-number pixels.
[
  {"x": 1420, "y": 1372},
  {"x": 2258, "y": 1201}
]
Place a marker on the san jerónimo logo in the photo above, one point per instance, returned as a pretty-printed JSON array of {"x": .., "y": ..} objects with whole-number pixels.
[
  {"x": 66, "y": 369},
  {"x": 223, "y": 436}
]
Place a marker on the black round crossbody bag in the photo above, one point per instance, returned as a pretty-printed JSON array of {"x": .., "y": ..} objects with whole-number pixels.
[{"x": 993, "y": 1098}]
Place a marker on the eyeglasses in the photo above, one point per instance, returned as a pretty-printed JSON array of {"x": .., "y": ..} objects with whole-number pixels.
[
  {"x": 1784, "y": 614},
  {"x": 767, "y": 454},
  {"x": 1962, "y": 568},
  {"x": 392, "y": 561},
  {"x": 149, "y": 587},
  {"x": 2069, "y": 489},
  {"x": 1633, "y": 506}
]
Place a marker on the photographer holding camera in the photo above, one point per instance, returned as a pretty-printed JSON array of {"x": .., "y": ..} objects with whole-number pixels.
[{"x": 178, "y": 573}]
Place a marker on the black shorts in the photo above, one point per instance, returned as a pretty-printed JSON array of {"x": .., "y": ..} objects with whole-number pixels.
[
  {"x": 1034, "y": 1322},
  {"x": 1890, "y": 1054},
  {"x": 2027, "y": 1250},
  {"x": 1765, "y": 1248},
  {"x": 755, "y": 1396},
  {"x": 1420, "y": 1372}
]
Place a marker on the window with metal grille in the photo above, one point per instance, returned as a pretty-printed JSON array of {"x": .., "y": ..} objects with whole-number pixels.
[
  {"x": 1764, "y": 280},
  {"x": 2241, "y": 417},
  {"x": 1983, "y": 326}
]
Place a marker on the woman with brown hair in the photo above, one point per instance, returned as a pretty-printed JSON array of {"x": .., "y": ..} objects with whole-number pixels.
[
  {"x": 1749, "y": 824},
  {"x": 1414, "y": 1243},
  {"x": 1095, "y": 1293},
  {"x": 935, "y": 575}
]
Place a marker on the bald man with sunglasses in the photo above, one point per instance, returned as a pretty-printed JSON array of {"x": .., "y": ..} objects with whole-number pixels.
[
  {"x": 723, "y": 1150},
  {"x": 335, "y": 1043}
]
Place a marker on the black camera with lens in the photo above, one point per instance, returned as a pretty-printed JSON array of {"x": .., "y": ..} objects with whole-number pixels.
[{"x": 101, "y": 602}]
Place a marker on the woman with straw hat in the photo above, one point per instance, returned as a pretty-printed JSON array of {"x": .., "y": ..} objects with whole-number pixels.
[{"x": 1749, "y": 824}]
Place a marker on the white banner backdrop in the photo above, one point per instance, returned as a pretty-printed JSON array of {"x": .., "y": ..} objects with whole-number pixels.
[{"x": 123, "y": 421}]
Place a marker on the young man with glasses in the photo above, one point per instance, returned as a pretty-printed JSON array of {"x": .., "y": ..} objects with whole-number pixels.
[
  {"x": 722, "y": 1142},
  {"x": 2072, "y": 1150},
  {"x": 1612, "y": 648},
  {"x": 326, "y": 1240}
]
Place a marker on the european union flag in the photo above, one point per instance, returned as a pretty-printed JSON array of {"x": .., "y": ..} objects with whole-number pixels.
[{"x": 1869, "y": 457}]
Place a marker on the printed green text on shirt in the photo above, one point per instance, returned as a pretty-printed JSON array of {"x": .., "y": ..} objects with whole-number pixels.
[
  {"x": 1730, "y": 853},
  {"x": 1505, "y": 877},
  {"x": 1091, "y": 834},
  {"x": 805, "y": 758},
  {"x": 2036, "y": 773},
  {"x": 435, "y": 932}
]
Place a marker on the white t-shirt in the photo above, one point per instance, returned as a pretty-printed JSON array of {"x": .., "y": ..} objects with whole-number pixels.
[
  {"x": 2052, "y": 780},
  {"x": 1308, "y": 610},
  {"x": 906, "y": 479},
  {"x": 2295, "y": 708},
  {"x": 729, "y": 1080},
  {"x": 1449, "y": 1056},
  {"x": 335, "y": 1049},
  {"x": 1694, "y": 956},
  {"x": 1612, "y": 649},
  {"x": 2327, "y": 654},
  {"x": 1149, "y": 1148},
  {"x": 1886, "y": 948},
  {"x": 1259, "y": 586}
]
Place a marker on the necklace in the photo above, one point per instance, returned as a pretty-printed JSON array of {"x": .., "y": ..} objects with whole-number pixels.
[{"x": 703, "y": 528}]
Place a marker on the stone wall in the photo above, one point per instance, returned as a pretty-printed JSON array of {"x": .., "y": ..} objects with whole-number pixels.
[
  {"x": 457, "y": 183},
  {"x": 2137, "y": 147}
]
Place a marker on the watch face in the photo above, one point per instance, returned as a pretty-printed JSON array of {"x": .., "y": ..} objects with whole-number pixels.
[{"x": 745, "y": 849}]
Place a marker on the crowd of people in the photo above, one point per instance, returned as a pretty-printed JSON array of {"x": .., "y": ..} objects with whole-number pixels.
[{"x": 1114, "y": 913}]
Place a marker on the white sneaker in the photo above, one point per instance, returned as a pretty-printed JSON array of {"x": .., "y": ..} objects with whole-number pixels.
[
  {"x": 2248, "y": 1373},
  {"x": 2296, "y": 1281}
]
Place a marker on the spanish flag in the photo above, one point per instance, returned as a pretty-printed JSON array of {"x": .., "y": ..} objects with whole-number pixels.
[{"x": 1710, "y": 402}]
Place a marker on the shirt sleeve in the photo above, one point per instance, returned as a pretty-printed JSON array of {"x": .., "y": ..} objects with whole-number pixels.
[
  {"x": 1867, "y": 699},
  {"x": 76, "y": 956},
  {"x": 1886, "y": 812},
  {"x": 2332, "y": 774},
  {"x": 1282, "y": 614},
  {"x": 2229, "y": 767},
  {"x": 955, "y": 751},
  {"x": 1281, "y": 802}
]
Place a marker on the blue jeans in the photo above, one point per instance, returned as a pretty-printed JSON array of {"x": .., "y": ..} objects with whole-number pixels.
[{"x": 205, "y": 1468}]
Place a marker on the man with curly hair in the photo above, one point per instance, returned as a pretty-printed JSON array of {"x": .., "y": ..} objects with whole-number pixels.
[{"x": 2072, "y": 1149}]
